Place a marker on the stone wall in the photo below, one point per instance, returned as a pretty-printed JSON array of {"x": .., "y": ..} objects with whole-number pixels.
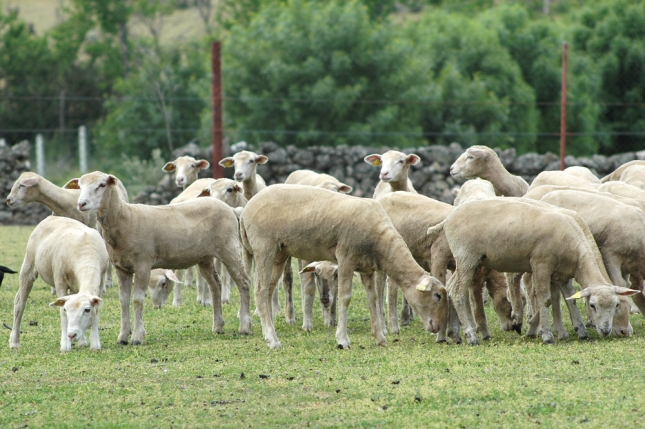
[
  {"x": 14, "y": 160},
  {"x": 431, "y": 176}
]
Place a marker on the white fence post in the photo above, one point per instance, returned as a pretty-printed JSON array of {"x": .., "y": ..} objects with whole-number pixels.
[
  {"x": 82, "y": 148},
  {"x": 40, "y": 155}
]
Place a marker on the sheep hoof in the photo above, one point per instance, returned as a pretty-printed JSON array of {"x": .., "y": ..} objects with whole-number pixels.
[
  {"x": 440, "y": 340},
  {"x": 136, "y": 343},
  {"x": 517, "y": 327},
  {"x": 122, "y": 342},
  {"x": 341, "y": 347},
  {"x": 548, "y": 341},
  {"x": 486, "y": 337}
]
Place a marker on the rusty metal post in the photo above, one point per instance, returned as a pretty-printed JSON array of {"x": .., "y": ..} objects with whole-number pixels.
[
  {"x": 563, "y": 106},
  {"x": 216, "y": 96}
]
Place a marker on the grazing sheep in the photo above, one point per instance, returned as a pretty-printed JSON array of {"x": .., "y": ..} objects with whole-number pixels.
[
  {"x": 616, "y": 174},
  {"x": 326, "y": 280},
  {"x": 483, "y": 162},
  {"x": 186, "y": 169},
  {"x": 394, "y": 171},
  {"x": 246, "y": 164},
  {"x": 141, "y": 237},
  {"x": 353, "y": 232},
  {"x": 160, "y": 284},
  {"x": 513, "y": 236},
  {"x": 5, "y": 270},
  {"x": 312, "y": 276},
  {"x": 560, "y": 178},
  {"x": 67, "y": 255}
]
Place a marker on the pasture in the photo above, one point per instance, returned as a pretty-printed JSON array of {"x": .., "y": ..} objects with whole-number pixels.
[{"x": 186, "y": 376}]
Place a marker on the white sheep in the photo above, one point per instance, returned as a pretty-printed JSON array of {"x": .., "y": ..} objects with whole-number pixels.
[
  {"x": 353, "y": 232},
  {"x": 141, "y": 237},
  {"x": 483, "y": 162},
  {"x": 245, "y": 164},
  {"x": 326, "y": 280},
  {"x": 634, "y": 175},
  {"x": 186, "y": 168},
  {"x": 68, "y": 256},
  {"x": 160, "y": 284},
  {"x": 616, "y": 174},
  {"x": 561, "y": 178},
  {"x": 313, "y": 273},
  {"x": 583, "y": 173},
  {"x": 394, "y": 171},
  {"x": 513, "y": 236}
]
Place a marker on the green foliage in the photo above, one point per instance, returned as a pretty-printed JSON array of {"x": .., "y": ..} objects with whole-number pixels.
[{"x": 136, "y": 173}]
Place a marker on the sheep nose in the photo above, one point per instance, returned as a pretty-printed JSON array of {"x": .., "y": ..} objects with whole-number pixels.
[
  {"x": 71, "y": 336},
  {"x": 238, "y": 176},
  {"x": 82, "y": 205},
  {"x": 180, "y": 181},
  {"x": 9, "y": 200}
]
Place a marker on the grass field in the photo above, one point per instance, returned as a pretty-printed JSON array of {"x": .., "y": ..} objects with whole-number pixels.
[{"x": 185, "y": 376}]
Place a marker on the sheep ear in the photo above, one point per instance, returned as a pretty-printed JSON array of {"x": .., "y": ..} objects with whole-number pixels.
[
  {"x": 227, "y": 162},
  {"x": 455, "y": 191},
  {"x": 374, "y": 160},
  {"x": 169, "y": 167},
  {"x": 412, "y": 159},
  {"x": 237, "y": 188},
  {"x": 309, "y": 268},
  {"x": 29, "y": 181},
  {"x": 203, "y": 164},
  {"x": 425, "y": 285},
  {"x": 261, "y": 159},
  {"x": 206, "y": 192},
  {"x": 344, "y": 189},
  {"x": 72, "y": 184},
  {"x": 171, "y": 275},
  {"x": 477, "y": 153},
  {"x": 96, "y": 302},
  {"x": 581, "y": 294},
  {"x": 111, "y": 180},
  {"x": 59, "y": 301},
  {"x": 623, "y": 291}
]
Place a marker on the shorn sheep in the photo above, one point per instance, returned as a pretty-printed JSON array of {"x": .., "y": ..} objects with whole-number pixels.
[
  {"x": 245, "y": 164},
  {"x": 186, "y": 169},
  {"x": 68, "y": 256},
  {"x": 353, "y": 232},
  {"x": 141, "y": 238},
  {"x": 513, "y": 236}
]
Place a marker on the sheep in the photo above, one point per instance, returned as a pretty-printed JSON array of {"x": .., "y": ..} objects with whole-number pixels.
[
  {"x": 583, "y": 173},
  {"x": 160, "y": 284},
  {"x": 634, "y": 175},
  {"x": 513, "y": 236},
  {"x": 483, "y": 162},
  {"x": 70, "y": 256},
  {"x": 624, "y": 190},
  {"x": 245, "y": 164},
  {"x": 616, "y": 174},
  {"x": 141, "y": 237},
  {"x": 412, "y": 215},
  {"x": 311, "y": 276},
  {"x": 560, "y": 178},
  {"x": 618, "y": 229},
  {"x": 186, "y": 168},
  {"x": 31, "y": 187},
  {"x": 353, "y": 232},
  {"x": 5, "y": 270},
  {"x": 326, "y": 280},
  {"x": 394, "y": 171}
]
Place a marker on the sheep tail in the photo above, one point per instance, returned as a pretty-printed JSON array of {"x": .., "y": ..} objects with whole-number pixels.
[{"x": 434, "y": 231}]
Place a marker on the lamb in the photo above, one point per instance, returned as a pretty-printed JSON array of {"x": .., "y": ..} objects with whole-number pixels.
[
  {"x": 315, "y": 273},
  {"x": 394, "y": 171},
  {"x": 245, "y": 164},
  {"x": 483, "y": 162},
  {"x": 70, "y": 256},
  {"x": 141, "y": 237},
  {"x": 412, "y": 215},
  {"x": 186, "y": 168},
  {"x": 31, "y": 187},
  {"x": 160, "y": 284},
  {"x": 5, "y": 270},
  {"x": 548, "y": 244},
  {"x": 326, "y": 280},
  {"x": 616, "y": 174},
  {"x": 353, "y": 232}
]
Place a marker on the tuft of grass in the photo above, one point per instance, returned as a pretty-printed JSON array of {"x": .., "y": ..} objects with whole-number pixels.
[{"x": 186, "y": 376}]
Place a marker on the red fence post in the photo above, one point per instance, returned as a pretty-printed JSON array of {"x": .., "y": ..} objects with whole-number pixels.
[
  {"x": 563, "y": 106},
  {"x": 216, "y": 96}
]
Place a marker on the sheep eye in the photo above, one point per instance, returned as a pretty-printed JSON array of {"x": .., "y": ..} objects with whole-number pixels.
[
  {"x": 251, "y": 161},
  {"x": 438, "y": 296},
  {"x": 87, "y": 310},
  {"x": 593, "y": 306},
  {"x": 193, "y": 166},
  {"x": 229, "y": 190},
  {"x": 102, "y": 185},
  {"x": 401, "y": 161}
]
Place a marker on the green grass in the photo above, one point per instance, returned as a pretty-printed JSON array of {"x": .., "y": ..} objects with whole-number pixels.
[{"x": 185, "y": 376}]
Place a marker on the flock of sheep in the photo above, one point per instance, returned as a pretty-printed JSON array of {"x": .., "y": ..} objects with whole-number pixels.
[{"x": 523, "y": 244}]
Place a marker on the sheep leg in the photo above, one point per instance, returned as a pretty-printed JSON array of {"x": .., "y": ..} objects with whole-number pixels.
[
  {"x": 497, "y": 290},
  {"x": 190, "y": 276},
  {"x": 541, "y": 281},
  {"x": 458, "y": 291},
  {"x": 95, "y": 340},
  {"x": 28, "y": 276},
  {"x": 287, "y": 284},
  {"x": 203, "y": 292},
  {"x": 345, "y": 274},
  {"x": 241, "y": 279},
  {"x": 308, "y": 289},
  {"x": 477, "y": 297},
  {"x": 275, "y": 299},
  {"x": 378, "y": 325},
  {"x": 567, "y": 290},
  {"x": 125, "y": 290},
  {"x": 556, "y": 312},
  {"x": 208, "y": 272},
  {"x": 515, "y": 294},
  {"x": 392, "y": 300},
  {"x": 65, "y": 342},
  {"x": 406, "y": 313},
  {"x": 177, "y": 301},
  {"x": 534, "y": 319},
  {"x": 141, "y": 279},
  {"x": 226, "y": 286},
  {"x": 273, "y": 275},
  {"x": 451, "y": 327},
  {"x": 109, "y": 282}
]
